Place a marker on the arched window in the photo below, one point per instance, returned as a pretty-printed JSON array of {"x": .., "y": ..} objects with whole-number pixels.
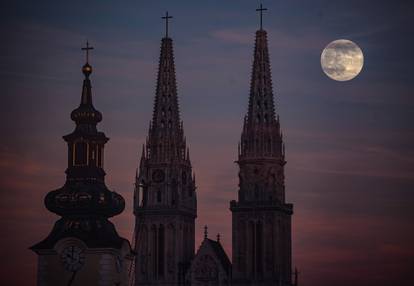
[
  {"x": 99, "y": 156},
  {"x": 81, "y": 152},
  {"x": 159, "y": 196},
  {"x": 161, "y": 252}
]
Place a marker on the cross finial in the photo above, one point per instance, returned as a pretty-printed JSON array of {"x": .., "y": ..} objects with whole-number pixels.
[
  {"x": 205, "y": 231},
  {"x": 218, "y": 237},
  {"x": 261, "y": 9},
  {"x": 166, "y": 17},
  {"x": 87, "y": 48}
]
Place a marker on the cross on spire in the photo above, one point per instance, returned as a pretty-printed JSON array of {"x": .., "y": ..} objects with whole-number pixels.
[
  {"x": 166, "y": 17},
  {"x": 261, "y": 9},
  {"x": 87, "y": 48}
]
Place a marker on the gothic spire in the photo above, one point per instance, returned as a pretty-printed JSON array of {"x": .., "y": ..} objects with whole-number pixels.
[
  {"x": 261, "y": 104},
  {"x": 166, "y": 140},
  {"x": 261, "y": 131}
]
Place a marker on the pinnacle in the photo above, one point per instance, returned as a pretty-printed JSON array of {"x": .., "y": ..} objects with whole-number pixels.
[{"x": 261, "y": 131}]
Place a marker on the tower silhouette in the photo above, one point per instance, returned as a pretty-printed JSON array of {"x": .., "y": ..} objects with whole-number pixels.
[
  {"x": 261, "y": 219},
  {"x": 165, "y": 203},
  {"x": 83, "y": 246}
]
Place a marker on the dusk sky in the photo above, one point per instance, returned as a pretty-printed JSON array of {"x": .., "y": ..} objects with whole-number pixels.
[{"x": 349, "y": 145}]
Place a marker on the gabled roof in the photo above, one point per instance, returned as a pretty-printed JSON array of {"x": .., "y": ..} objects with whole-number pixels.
[
  {"x": 221, "y": 254},
  {"x": 215, "y": 249}
]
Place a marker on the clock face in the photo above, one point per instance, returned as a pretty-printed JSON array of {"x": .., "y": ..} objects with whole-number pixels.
[
  {"x": 158, "y": 176},
  {"x": 73, "y": 258}
]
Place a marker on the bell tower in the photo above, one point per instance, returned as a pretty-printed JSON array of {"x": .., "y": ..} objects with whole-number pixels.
[
  {"x": 165, "y": 202},
  {"x": 83, "y": 247},
  {"x": 261, "y": 218}
]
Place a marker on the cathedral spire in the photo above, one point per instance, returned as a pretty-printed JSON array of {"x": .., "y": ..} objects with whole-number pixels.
[
  {"x": 261, "y": 130},
  {"x": 166, "y": 138},
  {"x": 261, "y": 104},
  {"x": 261, "y": 194},
  {"x": 166, "y": 203}
]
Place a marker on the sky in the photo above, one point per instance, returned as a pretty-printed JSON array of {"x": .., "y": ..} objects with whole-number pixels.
[{"x": 349, "y": 145}]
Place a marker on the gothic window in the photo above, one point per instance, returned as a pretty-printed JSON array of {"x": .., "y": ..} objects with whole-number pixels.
[
  {"x": 93, "y": 153},
  {"x": 154, "y": 248},
  {"x": 161, "y": 242},
  {"x": 159, "y": 196},
  {"x": 265, "y": 118},
  {"x": 265, "y": 104},
  {"x": 259, "y": 247},
  {"x": 81, "y": 152},
  {"x": 174, "y": 192},
  {"x": 169, "y": 124},
  {"x": 162, "y": 123},
  {"x": 144, "y": 196},
  {"x": 184, "y": 178},
  {"x": 99, "y": 156},
  {"x": 170, "y": 245},
  {"x": 144, "y": 249},
  {"x": 251, "y": 247},
  {"x": 163, "y": 112},
  {"x": 256, "y": 191}
]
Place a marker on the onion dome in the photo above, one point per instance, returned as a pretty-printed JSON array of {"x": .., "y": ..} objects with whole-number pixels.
[
  {"x": 84, "y": 202},
  {"x": 86, "y": 112}
]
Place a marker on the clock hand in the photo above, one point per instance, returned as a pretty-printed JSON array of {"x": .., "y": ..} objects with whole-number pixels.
[{"x": 72, "y": 278}]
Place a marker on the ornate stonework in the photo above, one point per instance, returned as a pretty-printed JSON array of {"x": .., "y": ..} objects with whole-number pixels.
[
  {"x": 261, "y": 217},
  {"x": 165, "y": 202},
  {"x": 84, "y": 247},
  {"x": 210, "y": 266}
]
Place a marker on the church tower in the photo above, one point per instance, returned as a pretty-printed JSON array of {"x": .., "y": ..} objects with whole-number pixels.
[
  {"x": 165, "y": 202},
  {"x": 261, "y": 218},
  {"x": 84, "y": 247}
]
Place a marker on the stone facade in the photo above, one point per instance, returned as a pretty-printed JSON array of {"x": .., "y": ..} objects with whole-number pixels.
[
  {"x": 210, "y": 266},
  {"x": 165, "y": 198},
  {"x": 165, "y": 203},
  {"x": 261, "y": 219}
]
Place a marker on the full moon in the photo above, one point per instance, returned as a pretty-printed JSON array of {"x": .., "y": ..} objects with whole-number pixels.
[{"x": 342, "y": 60}]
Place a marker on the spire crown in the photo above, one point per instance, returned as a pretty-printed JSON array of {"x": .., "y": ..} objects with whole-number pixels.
[
  {"x": 261, "y": 130},
  {"x": 261, "y": 102},
  {"x": 261, "y": 9},
  {"x": 166, "y": 18},
  {"x": 86, "y": 112},
  {"x": 87, "y": 69}
]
